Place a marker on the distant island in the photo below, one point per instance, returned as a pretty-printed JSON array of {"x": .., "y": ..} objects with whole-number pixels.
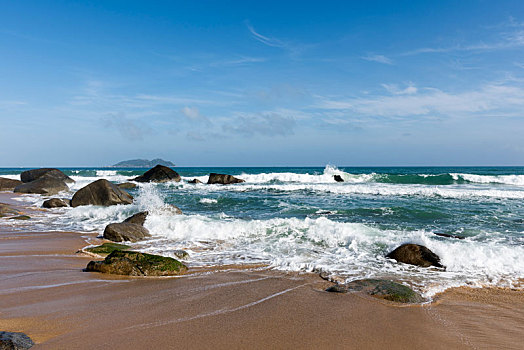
[{"x": 142, "y": 163}]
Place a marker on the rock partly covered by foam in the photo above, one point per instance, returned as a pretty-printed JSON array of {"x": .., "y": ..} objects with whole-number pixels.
[
  {"x": 138, "y": 218},
  {"x": 127, "y": 185},
  {"x": 47, "y": 185},
  {"x": 8, "y": 184},
  {"x": 132, "y": 263},
  {"x": 415, "y": 254},
  {"x": 223, "y": 179},
  {"x": 54, "y": 203},
  {"x": 194, "y": 181},
  {"x": 338, "y": 178},
  {"x": 382, "y": 289},
  {"x": 15, "y": 341},
  {"x": 32, "y": 175},
  {"x": 123, "y": 231},
  {"x": 159, "y": 173},
  {"x": 101, "y": 192}
]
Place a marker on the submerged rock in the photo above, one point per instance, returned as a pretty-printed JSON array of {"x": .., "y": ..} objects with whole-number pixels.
[
  {"x": 382, "y": 289},
  {"x": 138, "y": 218},
  {"x": 127, "y": 185},
  {"x": 223, "y": 179},
  {"x": 15, "y": 341},
  {"x": 447, "y": 235},
  {"x": 132, "y": 263},
  {"x": 119, "y": 232},
  {"x": 180, "y": 254},
  {"x": 54, "y": 203},
  {"x": 20, "y": 217},
  {"x": 194, "y": 181},
  {"x": 32, "y": 175},
  {"x": 106, "y": 248},
  {"x": 7, "y": 210},
  {"x": 101, "y": 192},
  {"x": 415, "y": 254},
  {"x": 159, "y": 173},
  {"x": 8, "y": 184},
  {"x": 338, "y": 178},
  {"x": 46, "y": 185}
]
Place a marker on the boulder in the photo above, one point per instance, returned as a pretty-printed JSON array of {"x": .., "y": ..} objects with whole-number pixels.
[
  {"x": 223, "y": 179},
  {"x": 119, "y": 232},
  {"x": 159, "y": 173},
  {"x": 415, "y": 254},
  {"x": 32, "y": 175},
  {"x": 338, "y": 178},
  {"x": 15, "y": 341},
  {"x": 132, "y": 263},
  {"x": 382, "y": 289},
  {"x": 138, "y": 218},
  {"x": 194, "y": 181},
  {"x": 46, "y": 185},
  {"x": 54, "y": 203},
  {"x": 8, "y": 184},
  {"x": 127, "y": 185},
  {"x": 101, "y": 192}
]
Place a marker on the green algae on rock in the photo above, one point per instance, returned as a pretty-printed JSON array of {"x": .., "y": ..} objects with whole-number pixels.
[
  {"x": 382, "y": 289},
  {"x": 107, "y": 248}
]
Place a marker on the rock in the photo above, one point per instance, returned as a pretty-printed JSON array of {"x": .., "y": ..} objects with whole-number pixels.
[
  {"x": 132, "y": 263},
  {"x": 54, "y": 203},
  {"x": 194, "y": 181},
  {"x": 106, "y": 248},
  {"x": 159, "y": 173},
  {"x": 8, "y": 184},
  {"x": 101, "y": 192},
  {"x": 223, "y": 179},
  {"x": 382, "y": 289},
  {"x": 15, "y": 341},
  {"x": 138, "y": 218},
  {"x": 172, "y": 209},
  {"x": 338, "y": 178},
  {"x": 46, "y": 185},
  {"x": 415, "y": 254},
  {"x": 127, "y": 185},
  {"x": 119, "y": 232},
  {"x": 32, "y": 175},
  {"x": 180, "y": 254},
  {"x": 20, "y": 217},
  {"x": 448, "y": 235},
  {"x": 7, "y": 210}
]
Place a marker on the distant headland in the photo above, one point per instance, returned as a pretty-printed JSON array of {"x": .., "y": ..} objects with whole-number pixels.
[{"x": 142, "y": 163}]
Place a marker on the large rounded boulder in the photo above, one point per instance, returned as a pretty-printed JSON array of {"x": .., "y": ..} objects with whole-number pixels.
[
  {"x": 8, "y": 184},
  {"x": 125, "y": 231},
  {"x": 159, "y": 173},
  {"x": 46, "y": 185},
  {"x": 32, "y": 175},
  {"x": 223, "y": 179},
  {"x": 415, "y": 254},
  {"x": 54, "y": 203},
  {"x": 101, "y": 192}
]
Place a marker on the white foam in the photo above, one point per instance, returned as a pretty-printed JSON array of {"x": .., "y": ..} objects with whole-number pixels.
[
  {"x": 208, "y": 201},
  {"x": 517, "y": 180}
]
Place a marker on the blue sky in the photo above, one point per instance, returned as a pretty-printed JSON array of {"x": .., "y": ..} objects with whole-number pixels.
[{"x": 245, "y": 83}]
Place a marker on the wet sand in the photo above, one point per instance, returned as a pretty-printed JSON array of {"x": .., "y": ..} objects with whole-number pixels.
[{"x": 45, "y": 293}]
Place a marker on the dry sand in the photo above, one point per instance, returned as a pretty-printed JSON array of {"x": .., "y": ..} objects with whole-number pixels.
[{"x": 45, "y": 293}]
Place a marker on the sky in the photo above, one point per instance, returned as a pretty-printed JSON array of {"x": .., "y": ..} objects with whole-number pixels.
[{"x": 262, "y": 83}]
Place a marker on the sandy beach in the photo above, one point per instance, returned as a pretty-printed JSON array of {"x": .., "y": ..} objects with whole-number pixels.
[{"x": 45, "y": 294}]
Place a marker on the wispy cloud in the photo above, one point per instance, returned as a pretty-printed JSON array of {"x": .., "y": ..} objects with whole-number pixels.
[
  {"x": 132, "y": 130},
  {"x": 267, "y": 124},
  {"x": 378, "y": 58},
  {"x": 273, "y": 42},
  {"x": 194, "y": 115},
  {"x": 395, "y": 90}
]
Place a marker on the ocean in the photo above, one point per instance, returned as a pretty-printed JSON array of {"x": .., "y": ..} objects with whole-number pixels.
[{"x": 301, "y": 219}]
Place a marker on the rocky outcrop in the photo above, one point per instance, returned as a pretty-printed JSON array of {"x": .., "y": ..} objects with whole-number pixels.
[
  {"x": 120, "y": 232},
  {"x": 159, "y": 173},
  {"x": 194, "y": 181},
  {"x": 127, "y": 186},
  {"x": 8, "y": 184},
  {"x": 54, "y": 203},
  {"x": 415, "y": 254},
  {"x": 382, "y": 289},
  {"x": 15, "y": 341},
  {"x": 138, "y": 218},
  {"x": 47, "y": 185},
  {"x": 338, "y": 178},
  {"x": 101, "y": 192},
  {"x": 223, "y": 179},
  {"x": 132, "y": 263},
  {"x": 32, "y": 175}
]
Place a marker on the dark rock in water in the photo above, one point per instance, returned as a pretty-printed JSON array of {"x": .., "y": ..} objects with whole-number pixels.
[
  {"x": 138, "y": 218},
  {"x": 7, "y": 210},
  {"x": 338, "y": 178},
  {"x": 8, "y": 184},
  {"x": 127, "y": 185},
  {"x": 32, "y": 175},
  {"x": 101, "y": 192},
  {"x": 194, "y": 181},
  {"x": 159, "y": 173},
  {"x": 15, "y": 341},
  {"x": 107, "y": 248},
  {"x": 54, "y": 203},
  {"x": 132, "y": 263},
  {"x": 382, "y": 289},
  {"x": 448, "y": 235},
  {"x": 20, "y": 217},
  {"x": 415, "y": 254},
  {"x": 519, "y": 221},
  {"x": 119, "y": 232},
  {"x": 223, "y": 179},
  {"x": 46, "y": 185}
]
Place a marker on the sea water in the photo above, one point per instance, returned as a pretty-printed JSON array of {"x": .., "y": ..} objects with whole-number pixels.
[{"x": 301, "y": 219}]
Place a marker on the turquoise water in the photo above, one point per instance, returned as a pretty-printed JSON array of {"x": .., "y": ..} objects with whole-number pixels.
[{"x": 301, "y": 219}]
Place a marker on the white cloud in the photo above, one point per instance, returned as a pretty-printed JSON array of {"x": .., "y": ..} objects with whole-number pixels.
[
  {"x": 394, "y": 89},
  {"x": 378, "y": 58},
  {"x": 273, "y": 42}
]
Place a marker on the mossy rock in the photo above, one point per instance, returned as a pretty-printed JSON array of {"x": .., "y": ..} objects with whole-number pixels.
[
  {"x": 382, "y": 289},
  {"x": 133, "y": 263},
  {"x": 106, "y": 248},
  {"x": 20, "y": 217}
]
